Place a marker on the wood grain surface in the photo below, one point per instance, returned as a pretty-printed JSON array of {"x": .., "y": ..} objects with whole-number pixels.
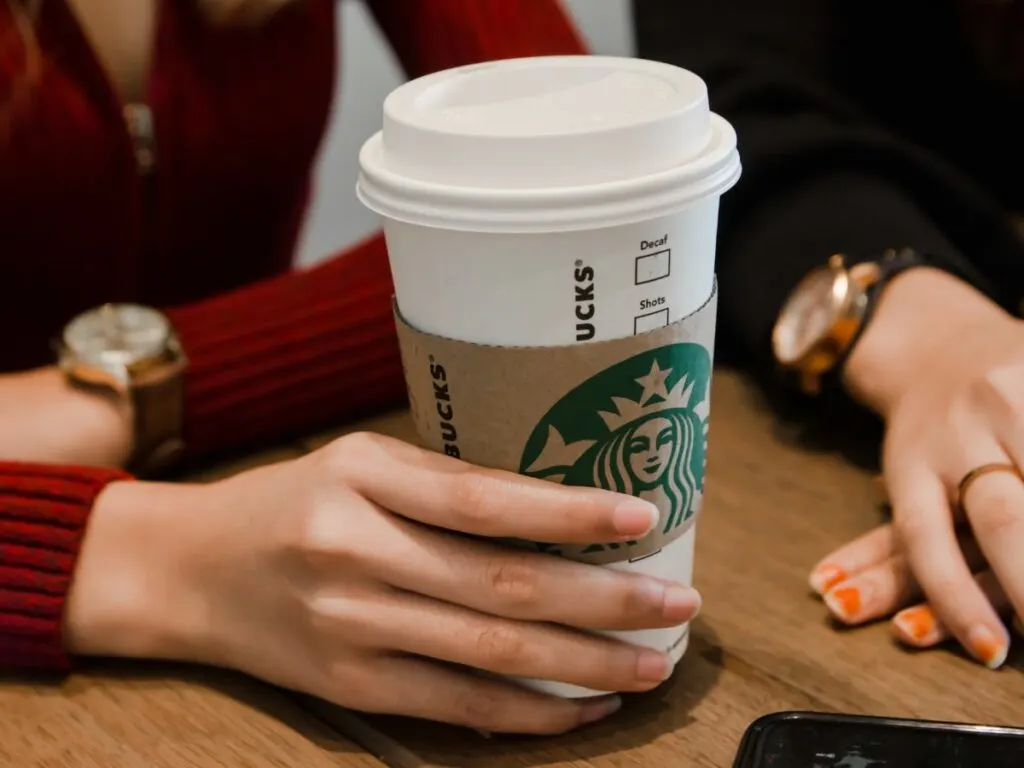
[
  {"x": 778, "y": 498},
  {"x": 143, "y": 716}
]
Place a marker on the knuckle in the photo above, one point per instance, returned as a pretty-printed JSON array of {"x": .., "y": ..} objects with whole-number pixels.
[
  {"x": 911, "y": 524},
  {"x": 513, "y": 579},
  {"x": 998, "y": 386},
  {"x": 321, "y": 534},
  {"x": 318, "y": 612},
  {"x": 317, "y": 532},
  {"x": 635, "y": 602},
  {"x": 339, "y": 458},
  {"x": 480, "y": 707},
  {"x": 471, "y": 498},
  {"x": 301, "y": 531},
  {"x": 328, "y": 613},
  {"x": 500, "y": 647}
]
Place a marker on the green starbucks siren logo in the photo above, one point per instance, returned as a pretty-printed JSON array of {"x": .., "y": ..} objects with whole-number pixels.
[{"x": 638, "y": 427}]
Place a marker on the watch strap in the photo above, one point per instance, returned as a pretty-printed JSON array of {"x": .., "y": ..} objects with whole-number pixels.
[
  {"x": 157, "y": 406},
  {"x": 891, "y": 263},
  {"x": 149, "y": 391}
]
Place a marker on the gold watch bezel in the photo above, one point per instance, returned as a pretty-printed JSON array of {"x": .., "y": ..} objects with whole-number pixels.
[
  {"x": 125, "y": 382},
  {"x": 848, "y": 305}
]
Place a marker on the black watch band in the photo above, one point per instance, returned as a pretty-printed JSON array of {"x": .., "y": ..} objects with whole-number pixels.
[{"x": 890, "y": 264}]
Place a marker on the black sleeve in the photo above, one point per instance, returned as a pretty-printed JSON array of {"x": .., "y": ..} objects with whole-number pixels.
[{"x": 820, "y": 175}]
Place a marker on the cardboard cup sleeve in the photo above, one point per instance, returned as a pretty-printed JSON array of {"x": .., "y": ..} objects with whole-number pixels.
[{"x": 628, "y": 415}]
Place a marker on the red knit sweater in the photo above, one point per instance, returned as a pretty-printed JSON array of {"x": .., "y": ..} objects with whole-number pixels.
[{"x": 238, "y": 117}]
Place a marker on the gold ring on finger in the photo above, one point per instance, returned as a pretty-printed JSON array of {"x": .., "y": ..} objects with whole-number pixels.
[{"x": 985, "y": 469}]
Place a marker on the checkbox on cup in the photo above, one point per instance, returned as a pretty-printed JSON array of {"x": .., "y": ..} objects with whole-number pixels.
[
  {"x": 653, "y": 266},
  {"x": 650, "y": 321}
]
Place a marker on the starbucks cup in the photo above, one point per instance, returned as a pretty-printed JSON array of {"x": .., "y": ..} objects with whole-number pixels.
[{"x": 551, "y": 202}]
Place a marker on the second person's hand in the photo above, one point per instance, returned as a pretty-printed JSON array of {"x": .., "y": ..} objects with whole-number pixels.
[
  {"x": 355, "y": 574},
  {"x": 945, "y": 368}
]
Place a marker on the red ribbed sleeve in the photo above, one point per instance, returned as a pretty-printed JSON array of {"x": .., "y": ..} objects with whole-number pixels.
[
  {"x": 430, "y": 35},
  {"x": 281, "y": 356},
  {"x": 43, "y": 514},
  {"x": 291, "y": 353},
  {"x": 319, "y": 345}
]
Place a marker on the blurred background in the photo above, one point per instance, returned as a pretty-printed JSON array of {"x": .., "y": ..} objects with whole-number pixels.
[{"x": 368, "y": 73}]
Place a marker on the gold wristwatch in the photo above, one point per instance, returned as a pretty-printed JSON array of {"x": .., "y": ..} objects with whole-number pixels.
[
  {"x": 131, "y": 354},
  {"x": 828, "y": 311}
]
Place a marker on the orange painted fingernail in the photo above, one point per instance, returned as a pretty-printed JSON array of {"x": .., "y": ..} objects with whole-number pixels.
[
  {"x": 826, "y": 576},
  {"x": 918, "y": 626},
  {"x": 987, "y": 646},
  {"x": 844, "y": 602}
]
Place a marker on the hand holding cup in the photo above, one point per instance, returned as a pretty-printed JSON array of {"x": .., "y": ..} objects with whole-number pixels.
[{"x": 358, "y": 574}]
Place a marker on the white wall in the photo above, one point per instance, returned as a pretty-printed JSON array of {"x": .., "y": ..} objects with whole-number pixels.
[{"x": 368, "y": 73}]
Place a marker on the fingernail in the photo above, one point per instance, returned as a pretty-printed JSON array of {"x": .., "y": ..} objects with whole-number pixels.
[
  {"x": 680, "y": 603},
  {"x": 824, "y": 577},
  {"x": 1018, "y": 626},
  {"x": 635, "y": 517},
  {"x": 987, "y": 646},
  {"x": 918, "y": 626},
  {"x": 845, "y": 602},
  {"x": 593, "y": 710},
  {"x": 674, "y": 601},
  {"x": 652, "y": 666}
]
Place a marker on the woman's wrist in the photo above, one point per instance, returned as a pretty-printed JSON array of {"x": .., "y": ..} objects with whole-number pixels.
[
  {"x": 100, "y": 428},
  {"x": 133, "y": 592},
  {"x": 43, "y": 418},
  {"x": 917, "y": 315}
]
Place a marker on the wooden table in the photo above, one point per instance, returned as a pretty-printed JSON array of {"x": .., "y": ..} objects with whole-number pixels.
[
  {"x": 762, "y": 644},
  {"x": 136, "y": 716}
]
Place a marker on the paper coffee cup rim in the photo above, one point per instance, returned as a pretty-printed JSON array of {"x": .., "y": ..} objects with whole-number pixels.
[{"x": 553, "y": 209}]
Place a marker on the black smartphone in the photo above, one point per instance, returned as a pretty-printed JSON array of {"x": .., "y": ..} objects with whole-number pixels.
[{"x": 818, "y": 740}]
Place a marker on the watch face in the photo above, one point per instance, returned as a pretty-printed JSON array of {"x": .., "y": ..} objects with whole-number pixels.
[
  {"x": 117, "y": 335},
  {"x": 808, "y": 316}
]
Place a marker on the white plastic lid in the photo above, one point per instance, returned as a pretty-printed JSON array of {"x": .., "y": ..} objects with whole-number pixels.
[{"x": 546, "y": 144}]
